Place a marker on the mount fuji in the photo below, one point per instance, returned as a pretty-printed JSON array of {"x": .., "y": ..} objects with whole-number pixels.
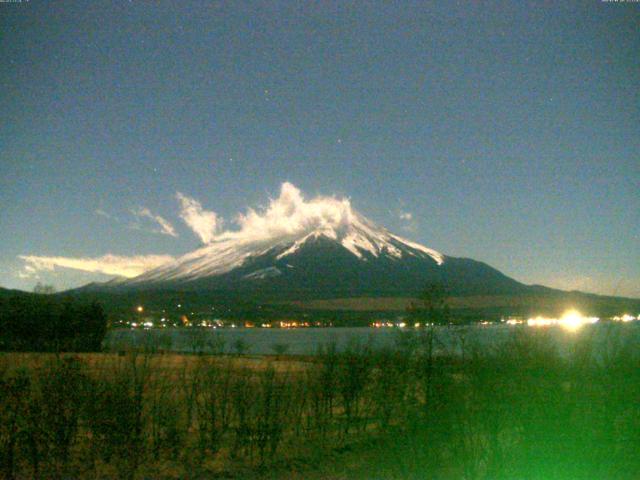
[
  {"x": 313, "y": 249},
  {"x": 322, "y": 254}
]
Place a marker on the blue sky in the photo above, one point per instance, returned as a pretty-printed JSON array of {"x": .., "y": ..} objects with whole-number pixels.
[{"x": 509, "y": 131}]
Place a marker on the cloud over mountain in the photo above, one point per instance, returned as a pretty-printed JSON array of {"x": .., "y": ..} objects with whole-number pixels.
[
  {"x": 202, "y": 222},
  {"x": 124, "y": 266},
  {"x": 290, "y": 214}
]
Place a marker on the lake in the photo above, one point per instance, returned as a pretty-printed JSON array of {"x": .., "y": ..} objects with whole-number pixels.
[{"x": 307, "y": 341}]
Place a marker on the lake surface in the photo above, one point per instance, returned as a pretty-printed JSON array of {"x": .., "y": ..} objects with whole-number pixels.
[{"x": 308, "y": 341}]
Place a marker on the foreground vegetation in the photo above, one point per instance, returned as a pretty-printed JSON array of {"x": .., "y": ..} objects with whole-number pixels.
[
  {"x": 45, "y": 323},
  {"x": 519, "y": 411}
]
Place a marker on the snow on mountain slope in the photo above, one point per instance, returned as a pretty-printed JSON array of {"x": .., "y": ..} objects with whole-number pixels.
[
  {"x": 287, "y": 224},
  {"x": 263, "y": 273}
]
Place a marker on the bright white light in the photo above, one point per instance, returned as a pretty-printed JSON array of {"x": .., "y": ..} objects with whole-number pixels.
[{"x": 571, "y": 320}]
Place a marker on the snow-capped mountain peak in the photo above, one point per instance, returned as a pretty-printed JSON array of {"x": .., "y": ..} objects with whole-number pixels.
[
  {"x": 283, "y": 228},
  {"x": 361, "y": 238}
]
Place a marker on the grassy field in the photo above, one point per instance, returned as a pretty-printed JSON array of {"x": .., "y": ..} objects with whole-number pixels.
[{"x": 521, "y": 411}]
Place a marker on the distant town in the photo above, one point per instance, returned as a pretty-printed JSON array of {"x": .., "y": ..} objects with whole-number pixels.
[{"x": 143, "y": 319}]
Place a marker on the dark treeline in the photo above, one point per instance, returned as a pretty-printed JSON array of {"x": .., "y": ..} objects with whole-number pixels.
[
  {"x": 519, "y": 411},
  {"x": 45, "y": 323},
  {"x": 121, "y": 305}
]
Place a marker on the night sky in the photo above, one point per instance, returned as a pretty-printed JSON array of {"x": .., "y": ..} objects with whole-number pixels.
[{"x": 508, "y": 132}]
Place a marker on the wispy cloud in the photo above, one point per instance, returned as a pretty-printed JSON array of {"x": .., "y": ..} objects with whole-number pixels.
[
  {"x": 408, "y": 221},
  {"x": 102, "y": 213},
  {"x": 203, "y": 223},
  {"x": 28, "y": 272},
  {"x": 165, "y": 226},
  {"x": 108, "y": 264}
]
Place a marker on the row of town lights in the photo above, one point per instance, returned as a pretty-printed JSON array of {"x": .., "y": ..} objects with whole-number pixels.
[{"x": 571, "y": 320}]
